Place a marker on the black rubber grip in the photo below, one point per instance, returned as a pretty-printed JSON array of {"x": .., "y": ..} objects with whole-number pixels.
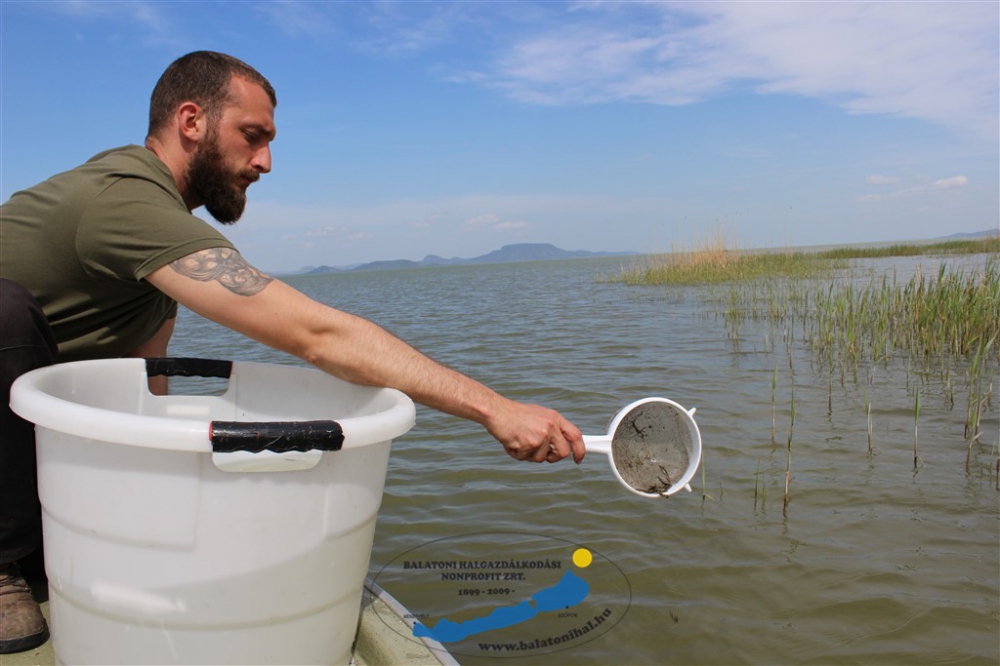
[
  {"x": 188, "y": 367},
  {"x": 277, "y": 436}
]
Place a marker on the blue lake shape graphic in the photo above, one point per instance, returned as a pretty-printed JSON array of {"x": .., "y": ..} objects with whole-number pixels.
[{"x": 569, "y": 591}]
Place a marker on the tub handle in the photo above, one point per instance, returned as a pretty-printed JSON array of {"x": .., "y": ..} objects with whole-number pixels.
[
  {"x": 276, "y": 436},
  {"x": 188, "y": 367}
]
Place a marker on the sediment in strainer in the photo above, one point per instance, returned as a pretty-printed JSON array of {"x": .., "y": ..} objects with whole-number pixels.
[{"x": 654, "y": 447}]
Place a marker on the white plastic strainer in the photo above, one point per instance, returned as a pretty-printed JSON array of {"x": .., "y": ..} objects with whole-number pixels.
[{"x": 653, "y": 445}]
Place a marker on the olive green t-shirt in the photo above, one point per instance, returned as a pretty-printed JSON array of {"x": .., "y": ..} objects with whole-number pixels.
[{"x": 83, "y": 242}]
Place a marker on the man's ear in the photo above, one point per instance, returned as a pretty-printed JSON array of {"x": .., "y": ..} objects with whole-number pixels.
[{"x": 191, "y": 121}]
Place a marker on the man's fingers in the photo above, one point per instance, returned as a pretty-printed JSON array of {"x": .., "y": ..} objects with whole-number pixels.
[
  {"x": 578, "y": 447},
  {"x": 560, "y": 448},
  {"x": 544, "y": 450},
  {"x": 565, "y": 446},
  {"x": 518, "y": 453},
  {"x": 543, "y": 435}
]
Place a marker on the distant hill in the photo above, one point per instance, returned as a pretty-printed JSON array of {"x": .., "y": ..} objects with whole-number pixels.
[
  {"x": 318, "y": 270},
  {"x": 974, "y": 234},
  {"x": 505, "y": 255}
]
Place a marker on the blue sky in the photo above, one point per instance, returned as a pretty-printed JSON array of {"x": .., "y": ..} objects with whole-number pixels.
[{"x": 415, "y": 128}]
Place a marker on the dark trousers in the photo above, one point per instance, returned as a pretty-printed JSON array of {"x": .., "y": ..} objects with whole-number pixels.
[{"x": 26, "y": 343}]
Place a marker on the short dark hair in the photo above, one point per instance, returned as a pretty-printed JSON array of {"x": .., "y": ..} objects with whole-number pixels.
[{"x": 201, "y": 77}]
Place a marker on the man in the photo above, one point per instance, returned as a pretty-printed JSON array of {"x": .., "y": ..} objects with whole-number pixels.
[{"x": 96, "y": 259}]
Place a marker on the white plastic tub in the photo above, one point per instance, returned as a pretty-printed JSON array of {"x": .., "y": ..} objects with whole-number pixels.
[{"x": 160, "y": 551}]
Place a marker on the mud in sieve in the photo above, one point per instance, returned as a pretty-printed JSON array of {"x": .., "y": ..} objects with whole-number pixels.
[{"x": 654, "y": 447}]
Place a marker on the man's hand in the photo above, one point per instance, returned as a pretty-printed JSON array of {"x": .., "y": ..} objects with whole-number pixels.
[{"x": 535, "y": 434}]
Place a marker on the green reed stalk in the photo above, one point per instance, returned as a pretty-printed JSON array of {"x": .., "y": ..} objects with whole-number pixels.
[
  {"x": 788, "y": 459},
  {"x": 829, "y": 396},
  {"x": 868, "y": 410},
  {"x": 916, "y": 419},
  {"x": 774, "y": 389},
  {"x": 756, "y": 485},
  {"x": 976, "y": 398},
  {"x": 997, "y": 449},
  {"x": 704, "y": 488}
]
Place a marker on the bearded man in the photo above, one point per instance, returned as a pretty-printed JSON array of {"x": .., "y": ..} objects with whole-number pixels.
[{"x": 94, "y": 261}]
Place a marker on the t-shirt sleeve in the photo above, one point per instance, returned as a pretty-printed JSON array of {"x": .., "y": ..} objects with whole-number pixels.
[{"x": 134, "y": 227}]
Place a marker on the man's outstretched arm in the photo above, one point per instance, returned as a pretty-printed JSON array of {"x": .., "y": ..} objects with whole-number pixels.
[{"x": 220, "y": 285}]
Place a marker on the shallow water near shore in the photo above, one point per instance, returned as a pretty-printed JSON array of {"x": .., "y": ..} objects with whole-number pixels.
[{"x": 870, "y": 562}]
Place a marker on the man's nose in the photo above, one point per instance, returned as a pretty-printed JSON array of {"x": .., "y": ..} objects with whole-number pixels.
[{"x": 261, "y": 161}]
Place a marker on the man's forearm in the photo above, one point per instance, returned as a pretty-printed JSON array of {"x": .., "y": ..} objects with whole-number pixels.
[{"x": 362, "y": 352}]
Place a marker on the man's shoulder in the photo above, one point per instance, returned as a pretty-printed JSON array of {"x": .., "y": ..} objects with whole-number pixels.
[
  {"x": 132, "y": 168},
  {"x": 130, "y": 160}
]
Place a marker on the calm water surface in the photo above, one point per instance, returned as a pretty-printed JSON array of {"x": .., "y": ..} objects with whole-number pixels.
[{"x": 870, "y": 563}]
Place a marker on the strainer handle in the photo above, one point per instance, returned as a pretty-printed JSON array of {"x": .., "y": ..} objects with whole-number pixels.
[{"x": 598, "y": 443}]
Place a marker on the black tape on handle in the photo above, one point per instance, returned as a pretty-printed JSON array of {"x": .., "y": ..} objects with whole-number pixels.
[
  {"x": 188, "y": 367},
  {"x": 277, "y": 436}
]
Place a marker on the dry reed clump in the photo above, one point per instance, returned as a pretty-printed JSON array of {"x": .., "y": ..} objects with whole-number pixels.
[{"x": 714, "y": 261}]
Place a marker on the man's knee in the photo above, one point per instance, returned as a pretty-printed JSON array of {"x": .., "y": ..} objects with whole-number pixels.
[{"x": 22, "y": 322}]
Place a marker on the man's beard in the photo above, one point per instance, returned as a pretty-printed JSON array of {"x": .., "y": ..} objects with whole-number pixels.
[{"x": 215, "y": 185}]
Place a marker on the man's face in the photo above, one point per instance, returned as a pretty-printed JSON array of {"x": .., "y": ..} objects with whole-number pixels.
[{"x": 234, "y": 152}]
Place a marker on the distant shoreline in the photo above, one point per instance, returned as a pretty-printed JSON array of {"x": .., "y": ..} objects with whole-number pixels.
[
  {"x": 878, "y": 244},
  {"x": 525, "y": 252}
]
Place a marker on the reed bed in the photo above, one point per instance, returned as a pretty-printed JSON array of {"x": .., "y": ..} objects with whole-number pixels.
[
  {"x": 716, "y": 261},
  {"x": 944, "y": 323},
  {"x": 955, "y": 314},
  {"x": 938, "y": 325},
  {"x": 969, "y": 246}
]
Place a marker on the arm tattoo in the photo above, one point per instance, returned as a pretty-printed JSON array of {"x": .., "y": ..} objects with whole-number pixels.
[{"x": 225, "y": 266}]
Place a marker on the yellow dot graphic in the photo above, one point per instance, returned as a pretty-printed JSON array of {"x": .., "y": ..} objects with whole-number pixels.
[{"x": 582, "y": 558}]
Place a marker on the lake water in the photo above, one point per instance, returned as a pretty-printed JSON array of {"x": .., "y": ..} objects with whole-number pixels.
[{"x": 869, "y": 563}]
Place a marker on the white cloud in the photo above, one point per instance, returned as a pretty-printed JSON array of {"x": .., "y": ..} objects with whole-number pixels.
[
  {"x": 426, "y": 222},
  {"x": 949, "y": 183},
  {"x": 295, "y": 18},
  {"x": 322, "y": 232},
  {"x": 145, "y": 13},
  {"x": 481, "y": 222},
  {"x": 875, "y": 179},
  {"x": 402, "y": 29},
  {"x": 508, "y": 226},
  {"x": 492, "y": 222},
  {"x": 154, "y": 19},
  {"x": 933, "y": 61},
  {"x": 919, "y": 188}
]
